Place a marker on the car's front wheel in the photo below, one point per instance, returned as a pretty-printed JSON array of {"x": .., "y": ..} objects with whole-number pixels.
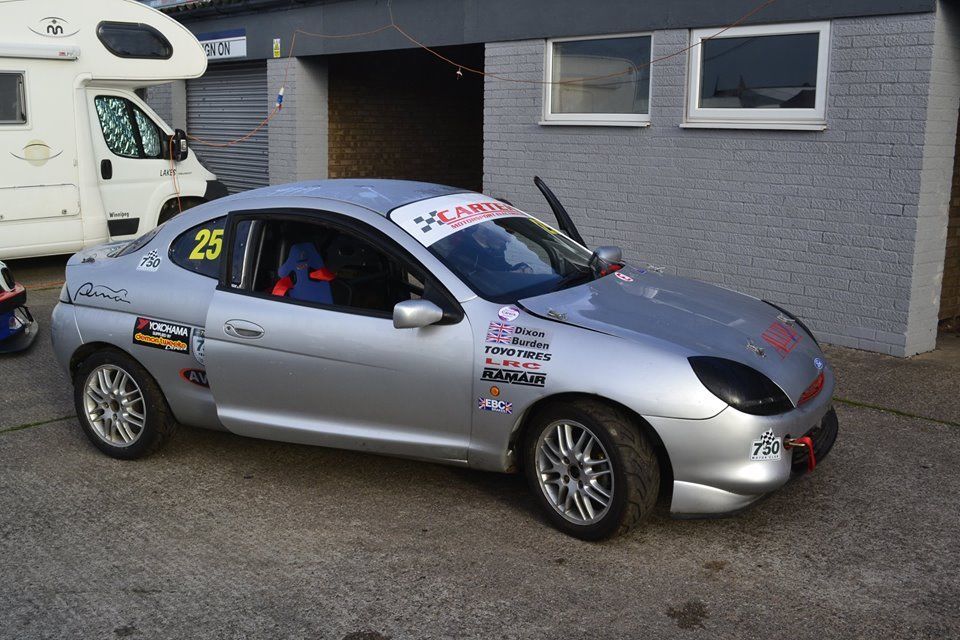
[
  {"x": 591, "y": 467},
  {"x": 120, "y": 406}
]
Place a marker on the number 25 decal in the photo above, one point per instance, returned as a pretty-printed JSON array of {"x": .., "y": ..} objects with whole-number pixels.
[{"x": 209, "y": 245}]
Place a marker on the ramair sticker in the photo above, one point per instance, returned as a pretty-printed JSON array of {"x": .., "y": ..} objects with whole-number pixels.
[
  {"x": 766, "y": 448},
  {"x": 198, "y": 339},
  {"x": 162, "y": 335},
  {"x": 497, "y": 406},
  {"x": 436, "y": 218},
  {"x": 150, "y": 261}
]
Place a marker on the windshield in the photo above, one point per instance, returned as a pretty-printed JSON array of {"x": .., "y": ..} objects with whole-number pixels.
[{"x": 509, "y": 258}]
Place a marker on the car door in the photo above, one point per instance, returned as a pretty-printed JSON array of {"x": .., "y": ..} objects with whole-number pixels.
[
  {"x": 131, "y": 163},
  {"x": 334, "y": 371}
]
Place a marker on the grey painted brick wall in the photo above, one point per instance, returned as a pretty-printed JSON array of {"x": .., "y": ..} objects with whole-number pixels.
[
  {"x": 160, "y": 99},
  {"x": 821, "y": 222},
  {"x": 298, "y": 133},
  {"x": 936, "y": 181}
]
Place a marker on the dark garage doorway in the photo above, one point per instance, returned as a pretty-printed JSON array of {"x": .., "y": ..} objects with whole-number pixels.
[{"x": 405, "y": 114}]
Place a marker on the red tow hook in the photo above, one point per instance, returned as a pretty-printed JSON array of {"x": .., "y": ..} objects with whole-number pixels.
[{"x": 806, "y": 442}]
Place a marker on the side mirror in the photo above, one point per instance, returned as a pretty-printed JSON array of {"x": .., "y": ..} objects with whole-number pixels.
[
  {"x": 178, "y": 145},
  {"x": 608, "y": 254},
  {"x": 415, "y": 314}
]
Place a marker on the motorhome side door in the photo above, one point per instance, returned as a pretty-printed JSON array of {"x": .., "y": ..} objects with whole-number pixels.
[{"x": 131, "y": 166}]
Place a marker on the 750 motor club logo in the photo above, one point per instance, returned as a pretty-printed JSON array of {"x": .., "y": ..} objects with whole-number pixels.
[{"x": 162, "y": 335}]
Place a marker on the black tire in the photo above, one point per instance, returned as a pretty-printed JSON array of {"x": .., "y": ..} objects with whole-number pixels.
[
  {"x": 635, "y": 469},
  {"x": 158, "y": 423}
]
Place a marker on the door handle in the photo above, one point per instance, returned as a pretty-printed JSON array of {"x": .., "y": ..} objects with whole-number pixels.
[
  {"x": 242, "y": 329},
  {"x": 106, "y": 169}
]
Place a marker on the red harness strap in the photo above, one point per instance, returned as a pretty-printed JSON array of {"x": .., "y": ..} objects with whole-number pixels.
[
  {"x": 324, "y": 275},
  {"x": 283, "y": 286}
]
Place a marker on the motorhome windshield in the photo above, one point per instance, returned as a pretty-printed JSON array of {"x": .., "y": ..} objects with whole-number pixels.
[{"x": 134, "y": 40}]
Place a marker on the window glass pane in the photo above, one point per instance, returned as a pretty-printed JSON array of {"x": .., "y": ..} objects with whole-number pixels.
[
  {"x": 11, "y": 99},
  {"x": 199, "y": 249},
  {"x": 129, "y": 40},
  {"x": 324, "y": 265},
  {"x": 620, "y": 72},
  {"x": 148, "y": 134},
  {"x": 116, "y": 125},
  {"x": 762, "y": 72}
]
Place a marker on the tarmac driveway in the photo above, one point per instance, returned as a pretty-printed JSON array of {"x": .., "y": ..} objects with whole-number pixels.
[{"x": 219, "y": 536}]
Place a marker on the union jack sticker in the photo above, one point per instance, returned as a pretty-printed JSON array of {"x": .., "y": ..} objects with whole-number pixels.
[
  {"x": 500, "y": 333},
  {"x": 782, "y": 338}
]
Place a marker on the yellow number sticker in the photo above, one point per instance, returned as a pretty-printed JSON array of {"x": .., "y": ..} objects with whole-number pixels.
[{"x": 209, "y": 245}]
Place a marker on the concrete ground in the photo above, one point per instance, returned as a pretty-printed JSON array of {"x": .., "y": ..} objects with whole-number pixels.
[{"x": 219, "y": 536}]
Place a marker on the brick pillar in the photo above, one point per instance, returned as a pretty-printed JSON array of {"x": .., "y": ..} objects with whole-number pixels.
[
  {"x": 169, "y": 100},
  {"x": 298, "y": 134}
]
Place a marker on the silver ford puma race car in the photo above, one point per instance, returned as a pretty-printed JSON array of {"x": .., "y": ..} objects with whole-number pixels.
[{"x": 429, "y": 322}]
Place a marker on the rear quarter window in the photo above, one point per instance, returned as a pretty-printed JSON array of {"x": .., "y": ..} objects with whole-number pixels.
[{"x": 200, "y": 248}]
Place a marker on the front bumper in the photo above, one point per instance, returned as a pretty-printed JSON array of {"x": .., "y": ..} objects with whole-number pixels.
[
  {"x": 711, "y": 459},
  {"x": 21, "y": 338}
]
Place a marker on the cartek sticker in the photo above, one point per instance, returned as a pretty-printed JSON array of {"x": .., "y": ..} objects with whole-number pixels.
[
  {"x": 150, "y": 261},
  {"x": 431, "y": 220},
  {"x": 509, "y": 313},
  {"x": 497, "y": 406},
  {"x": 195, "y": 376},
  {"x": 766, "y": 448},
  {"x": 782, "y": 338},
  {"x": 198, "y": 339},
  {"x": 623, "y": 277},
  {"x": 162, "y": 335}
]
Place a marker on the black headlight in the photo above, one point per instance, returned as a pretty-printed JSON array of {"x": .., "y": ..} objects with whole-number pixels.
[
  {"x": 795, "y": 319},
  {"x": 743, "y": 388}
]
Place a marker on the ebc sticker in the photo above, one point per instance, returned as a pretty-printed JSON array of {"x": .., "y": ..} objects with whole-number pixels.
[
  {"x": 768, "y": 447},
  {"x": 162, "y": 335},
  {"x": 195, "y": 376},
  {"x": 432, "y": 220},
  {"x": 497, "y": 406},
  {"x": 150, "y": 261}
]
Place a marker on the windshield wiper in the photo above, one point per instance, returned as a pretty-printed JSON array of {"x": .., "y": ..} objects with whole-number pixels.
[{"x": 577, "y": 277}]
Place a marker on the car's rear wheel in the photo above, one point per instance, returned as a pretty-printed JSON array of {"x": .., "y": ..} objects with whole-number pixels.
[
  {"x": 591, "y": 467},
  {"x": 120, "y": 406}
]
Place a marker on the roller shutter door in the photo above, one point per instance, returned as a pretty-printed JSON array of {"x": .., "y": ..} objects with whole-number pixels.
[{"x": 228, "y": 102}]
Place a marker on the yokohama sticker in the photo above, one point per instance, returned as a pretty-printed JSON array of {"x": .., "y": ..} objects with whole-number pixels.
[
  {"x": 162, "y": 335},
  {"x": 431, "y": 220},
  {"x": 768, "y": 447}
]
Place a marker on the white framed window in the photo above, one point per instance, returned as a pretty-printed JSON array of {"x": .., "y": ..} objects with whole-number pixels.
[
  {"x": 759, "y": 77},
  {"x": 600, "y": 80}
]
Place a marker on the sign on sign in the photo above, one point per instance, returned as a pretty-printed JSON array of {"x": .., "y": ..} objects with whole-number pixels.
[{"x": 224, "y": 44}]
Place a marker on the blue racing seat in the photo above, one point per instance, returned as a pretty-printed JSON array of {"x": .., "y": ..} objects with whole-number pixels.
[{"x": 303, "y": 276}]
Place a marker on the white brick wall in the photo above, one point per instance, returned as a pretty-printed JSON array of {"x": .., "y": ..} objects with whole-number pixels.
[{"x": 821, "y": 222}]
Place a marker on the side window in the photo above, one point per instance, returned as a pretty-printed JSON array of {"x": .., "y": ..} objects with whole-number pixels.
[
  {"x": 128, "y": 132},
  {"x": 13, "y": 109},
  {"x": 133, "y": 40},
  {"x": 200, "y": 248},
  {"x": 328, "y": 265}
]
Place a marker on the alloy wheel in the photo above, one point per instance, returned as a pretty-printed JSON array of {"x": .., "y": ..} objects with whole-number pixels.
[
  {"x": 575, "y": 472},
  {"x": 114, "y": 405}
]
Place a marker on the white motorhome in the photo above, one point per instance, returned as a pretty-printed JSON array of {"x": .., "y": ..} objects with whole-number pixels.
[{"x": 83, "y": 158}]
